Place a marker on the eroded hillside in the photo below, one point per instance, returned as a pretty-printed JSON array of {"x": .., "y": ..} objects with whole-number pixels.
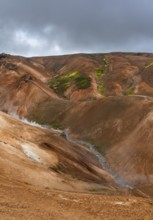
[{"x": 90, "y": 126}]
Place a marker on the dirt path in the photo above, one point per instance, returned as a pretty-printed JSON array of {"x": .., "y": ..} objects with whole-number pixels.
[
  {"x": 45, "y": 89},
  {"x": 42, "y": 76}
]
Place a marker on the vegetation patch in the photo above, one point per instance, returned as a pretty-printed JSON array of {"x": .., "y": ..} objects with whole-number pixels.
[
  {"x": 100, "y": 72},
  {"x": 55, "y": 124},
  {"x": 100, "y": 88},
  {"x": 82, "y": 82},
  {"x": 129, "y": 91},
  {"x": 149, "y": 65},
  {"x": 62, "y": 83},
  {"x": 106, "y": 63},
  {"x": 40, "y": 121}
]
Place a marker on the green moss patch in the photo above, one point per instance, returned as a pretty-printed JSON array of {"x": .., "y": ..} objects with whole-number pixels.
[
  {"x": 129, "y": 91},
  {"x": 82, "y": 82},
  {"x": 62, "y": 83},
  {"x": 99, "y": 73},
  {"x": 55, "y": 124},
  {"x": 100, "y": 88},
  {"x": 149, "y": 65}
]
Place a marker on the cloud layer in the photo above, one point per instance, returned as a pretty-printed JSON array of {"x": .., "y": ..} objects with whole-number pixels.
[{"x": 36, "y": 27}]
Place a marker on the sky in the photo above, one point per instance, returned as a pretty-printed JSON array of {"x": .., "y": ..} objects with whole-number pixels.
[{"x": 55, "y": 27}]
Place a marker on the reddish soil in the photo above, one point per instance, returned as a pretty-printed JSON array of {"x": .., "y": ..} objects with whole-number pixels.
[{"x": 23, "y": 202}]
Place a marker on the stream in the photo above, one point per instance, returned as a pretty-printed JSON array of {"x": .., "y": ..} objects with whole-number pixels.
[{"x": 118, "y": 179}]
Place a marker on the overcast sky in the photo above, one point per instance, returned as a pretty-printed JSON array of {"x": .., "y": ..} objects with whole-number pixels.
[{"x": 49, "y": 27}]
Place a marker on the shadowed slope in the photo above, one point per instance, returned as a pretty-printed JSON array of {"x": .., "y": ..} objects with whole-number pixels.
[{"x": 121, "y": 129}]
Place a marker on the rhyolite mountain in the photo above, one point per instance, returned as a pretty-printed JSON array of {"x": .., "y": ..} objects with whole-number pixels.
[{"x": 79, "y": 123}]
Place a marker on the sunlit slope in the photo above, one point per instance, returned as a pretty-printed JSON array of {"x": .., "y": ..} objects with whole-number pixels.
[{"x": 40, "y": 157}]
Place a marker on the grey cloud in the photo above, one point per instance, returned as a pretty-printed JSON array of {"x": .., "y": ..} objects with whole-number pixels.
[{"x": 36, "y": 27}]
